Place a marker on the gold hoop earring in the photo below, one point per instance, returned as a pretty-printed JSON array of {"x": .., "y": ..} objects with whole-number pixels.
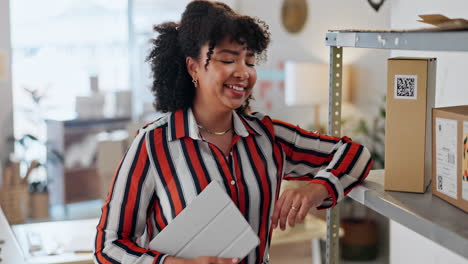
[{"x": 195, "y": 83}]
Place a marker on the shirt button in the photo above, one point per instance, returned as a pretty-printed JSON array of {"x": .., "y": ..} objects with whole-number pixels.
[{"x": 233, "y": 182}]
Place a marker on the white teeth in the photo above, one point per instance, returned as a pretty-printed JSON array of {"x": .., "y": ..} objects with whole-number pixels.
[{"x": 237, "y": 88}]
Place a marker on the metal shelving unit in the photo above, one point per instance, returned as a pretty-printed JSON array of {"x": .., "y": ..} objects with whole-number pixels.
[
  {"x": 429, "y": 216},
  {"x": 427, "y": 40},
  {"x": 425, "y": 214}
]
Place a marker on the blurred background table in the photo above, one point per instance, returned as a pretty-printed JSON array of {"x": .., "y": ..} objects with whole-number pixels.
[{"x": 61, "y": 242}]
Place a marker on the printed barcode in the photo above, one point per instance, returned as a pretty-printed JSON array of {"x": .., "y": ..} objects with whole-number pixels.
[
  {"x": 406, "y": 86},
  {"x": 451, "y": 158}
]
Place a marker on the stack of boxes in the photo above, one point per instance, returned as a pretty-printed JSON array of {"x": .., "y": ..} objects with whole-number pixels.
[{"x": 423, "y": 143}]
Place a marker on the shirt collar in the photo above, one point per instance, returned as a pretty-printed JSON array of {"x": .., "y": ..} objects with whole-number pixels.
[{"x": 182, "y": 123}]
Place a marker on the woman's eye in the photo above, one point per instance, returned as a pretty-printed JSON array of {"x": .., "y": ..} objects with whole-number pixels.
[{"x": 232, "y": 61}]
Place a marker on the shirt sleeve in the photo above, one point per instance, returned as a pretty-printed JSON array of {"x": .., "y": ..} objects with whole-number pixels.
[
  {"x": 337, "y": 163},
  {"x": 124, "y": 213}
]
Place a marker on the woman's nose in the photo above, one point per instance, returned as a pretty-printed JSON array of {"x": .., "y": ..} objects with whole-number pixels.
[{"x": 241, "y": 71}]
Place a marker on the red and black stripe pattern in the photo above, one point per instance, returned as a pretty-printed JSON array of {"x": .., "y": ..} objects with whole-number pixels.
[{"x": 169, "y": 164}]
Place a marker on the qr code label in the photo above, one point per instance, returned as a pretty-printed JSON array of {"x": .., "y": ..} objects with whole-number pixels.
[
  {"x": 406, "y": 87},
  {"x": 440, "y": 183}
]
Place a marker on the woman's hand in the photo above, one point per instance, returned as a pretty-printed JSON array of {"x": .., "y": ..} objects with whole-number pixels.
[
  {"x": 201, "y": 260},
  {"x": 294, "y": 204}
]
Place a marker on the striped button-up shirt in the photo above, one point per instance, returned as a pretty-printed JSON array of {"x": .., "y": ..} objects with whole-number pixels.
[{"x": 169, "y": 163}]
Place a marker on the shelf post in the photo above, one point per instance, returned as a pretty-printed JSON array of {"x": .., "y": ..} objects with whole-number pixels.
[{"x": 334, "y": 129}]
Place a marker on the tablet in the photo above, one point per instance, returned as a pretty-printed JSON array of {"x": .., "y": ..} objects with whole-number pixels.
[{"x": 211, "y": 225}]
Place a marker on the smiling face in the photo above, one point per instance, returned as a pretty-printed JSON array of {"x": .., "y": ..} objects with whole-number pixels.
[{"x": 229, "y": 78}]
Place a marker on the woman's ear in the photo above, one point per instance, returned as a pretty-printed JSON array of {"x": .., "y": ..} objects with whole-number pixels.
[{"x": 192, "y": 67}]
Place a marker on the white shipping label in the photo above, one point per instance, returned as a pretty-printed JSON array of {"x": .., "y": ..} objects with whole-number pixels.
[
  {"x": 446, "y": 156},
  {"x": 465, "y": 162}
]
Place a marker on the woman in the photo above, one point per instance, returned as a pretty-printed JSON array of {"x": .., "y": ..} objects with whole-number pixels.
[{"x": 204, "y": 74}]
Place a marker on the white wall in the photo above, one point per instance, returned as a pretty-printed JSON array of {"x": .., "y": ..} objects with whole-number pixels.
[
  {"x": 451, "y": 89},
  {"x": 6, "y": 111},
  {"x": 407, "y": 246},
  {"x": 309, "y": 45},
  {"x": 451, "y": 85}
]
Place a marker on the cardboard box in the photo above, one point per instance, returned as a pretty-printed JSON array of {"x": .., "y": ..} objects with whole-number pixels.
[
  {"x": 109, "y": 155},
  {"x": 410, "y": 99},
  {"x": 450, "y": 155}
]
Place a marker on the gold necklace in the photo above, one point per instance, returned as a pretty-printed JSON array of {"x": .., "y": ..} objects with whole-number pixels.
[{"x": 214, "y": 132}]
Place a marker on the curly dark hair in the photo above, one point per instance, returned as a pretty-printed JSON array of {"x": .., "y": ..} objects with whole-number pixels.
[{"x": 203, "y": 22}]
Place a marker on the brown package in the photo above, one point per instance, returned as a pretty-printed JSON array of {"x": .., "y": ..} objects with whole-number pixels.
[
  {"x": 410, "y": 99},
  {"x": 450, "y": 155}
]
